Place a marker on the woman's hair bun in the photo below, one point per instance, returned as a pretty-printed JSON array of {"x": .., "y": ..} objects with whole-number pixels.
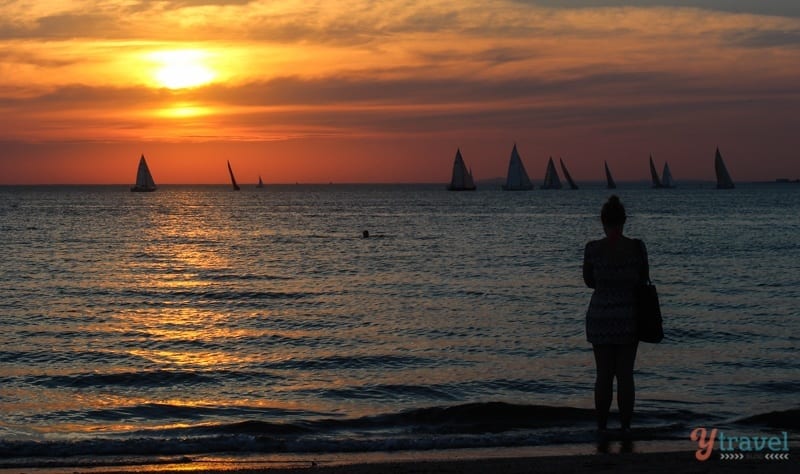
[{"x": 613, "y": 212}]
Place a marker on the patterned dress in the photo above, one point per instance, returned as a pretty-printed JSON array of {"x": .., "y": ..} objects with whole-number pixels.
[{"x": 613, "y": 270}]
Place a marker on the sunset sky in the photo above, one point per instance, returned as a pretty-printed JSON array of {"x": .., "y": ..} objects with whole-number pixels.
[{"x": 372, "y": 91}]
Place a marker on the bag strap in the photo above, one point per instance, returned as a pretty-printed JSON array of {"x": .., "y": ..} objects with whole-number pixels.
[{"x": 644, "y": 258}]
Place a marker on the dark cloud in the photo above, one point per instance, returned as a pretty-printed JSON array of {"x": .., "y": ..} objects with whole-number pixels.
[
  {"x": 586, "y": 84},
  {"x": 353, "y": 105},
  {"x": 366, "y": 26},
  {"x": 492, "y": 56},
  {"x": 67, "y": 26},
  {"x": 34, "y": 59},
  {"x": 789, "y": 8},
  {"x": 173, "y": 5},
  {"x": 81, "y": 96},
  {"x": 765, "y": 39}
]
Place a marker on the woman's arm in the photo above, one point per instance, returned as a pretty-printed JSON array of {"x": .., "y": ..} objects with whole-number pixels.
[{"x": 588, "y": 269}]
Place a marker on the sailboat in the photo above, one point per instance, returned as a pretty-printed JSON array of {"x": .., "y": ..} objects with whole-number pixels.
[
  {"x": 724, "y": 180},
  {"x": 654, "y": 174},
  {"x": 144, "y": 180},
  {"x": 571, "y": 183},
  {"x": 551, "y": 180},
  {"x": 517, "y": 179},
  {"x": 462, "y": 177},
  {"x": 233, "y": 180},
  {"x": 610, "y": 184},
  {"x": 666, "y": 177},
  {"x": 260, "y": 183}
]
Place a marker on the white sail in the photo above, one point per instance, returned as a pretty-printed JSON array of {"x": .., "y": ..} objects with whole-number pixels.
[
  {"x": 724, "y": 180},
  {"x": 654, "y": 174},
  {"x": 666, "y": 177},
  {"x": 567, "y": 176},
  {"x": 610, "y": 184},
  {"x": 462, "y": 177},
  {"x": 551, "y": 180},
  {"x": 517, "y": 178},
  {"x": 144, "y": 180}
]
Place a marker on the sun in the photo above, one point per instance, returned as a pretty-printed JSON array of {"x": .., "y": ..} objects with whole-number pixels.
[{"x": 181, "y": 69}]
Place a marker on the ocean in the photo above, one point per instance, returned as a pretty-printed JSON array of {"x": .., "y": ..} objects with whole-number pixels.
[{"x": 200, "y": 320}]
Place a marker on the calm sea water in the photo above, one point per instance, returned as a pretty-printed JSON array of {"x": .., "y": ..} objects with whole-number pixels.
[{"x": 197, "y": 319}]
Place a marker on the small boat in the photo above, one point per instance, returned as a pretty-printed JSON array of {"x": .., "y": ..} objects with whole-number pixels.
[
  {"x": 144, "y": 180},
  {"x": 517, "y": 179},
  {"x": 260, "y": 183},
  {"x": 571, "y": 183},
  {"x": 666, "y": 177},
  {"x": 610, "y": 184},
  {"x": 462, "y": 177},
  {"x": 654, "y": 175},
  {"x": 724, "y": 180},
  {"x": 233, "y": 180},
  {"x": 551, "y": 180}
]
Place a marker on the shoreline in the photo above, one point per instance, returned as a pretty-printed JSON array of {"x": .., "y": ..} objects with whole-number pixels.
[{"x": 652, "y": 456}]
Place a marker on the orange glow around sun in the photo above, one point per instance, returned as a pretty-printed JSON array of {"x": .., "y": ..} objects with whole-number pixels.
[{"x": 181, "y": 69}]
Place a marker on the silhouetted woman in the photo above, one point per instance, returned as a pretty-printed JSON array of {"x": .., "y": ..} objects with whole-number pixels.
[{"x": 613, "y": 266}]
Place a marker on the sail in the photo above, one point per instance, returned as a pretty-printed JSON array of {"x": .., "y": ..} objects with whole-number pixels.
[
  {"x": 610, "y": 184},
  {"x": 233, "y": 180},
  {"x": 551, "y": 180},
  {"x": 724, "y": 180},
  {"x": 517, "y": 179},
  {"x": 462, "y": 177},
  {"x": 654, "y": 174},
  {"x": 571, "y": 183},
  {"x": 260, "y": 183},
  {"x": 144, "y": 180},
  {"x": 666, "y": 177}
]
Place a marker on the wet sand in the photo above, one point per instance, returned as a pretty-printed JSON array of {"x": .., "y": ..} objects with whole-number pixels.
[{"x": 494, "y": 461}]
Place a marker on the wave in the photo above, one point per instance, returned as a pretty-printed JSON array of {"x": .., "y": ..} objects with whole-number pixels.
[
  {"x": 357, "y": 362},
  {"x": 786, "y": 419},
  {"x": 158, "y": 378},
  {"x": 260, "y": 430},
  {"x": 157, "y": 296}
]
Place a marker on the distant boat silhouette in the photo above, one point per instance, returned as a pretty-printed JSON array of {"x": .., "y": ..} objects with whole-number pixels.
[
  {"x": 233, "y": 180},
  {"x": 610, "y": 184},
  {"x": 551, "y": 180},
  {"x": 260, "y": 183},
  {"x": 462, "y": 177},
  {"x": 517, "y": 179},
  {"x": 666, "y": 177},
  {"x": 724, "y": 180},
  {"x": 654, "y": 174},
  {"x": 571, "y": 183},
  {"x": 144, "y": 180}
]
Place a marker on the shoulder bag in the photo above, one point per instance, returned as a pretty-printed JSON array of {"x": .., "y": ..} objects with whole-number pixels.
[{"x": 649, "y": 325}]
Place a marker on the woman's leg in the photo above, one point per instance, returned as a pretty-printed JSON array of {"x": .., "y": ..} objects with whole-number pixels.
[
  {"x": 626, "y": 394},
  {"x": 604, "y": 359}
]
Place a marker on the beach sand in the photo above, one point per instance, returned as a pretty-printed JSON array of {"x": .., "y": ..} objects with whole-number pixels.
[
  {"x": 495, "y": 461},
  {"x": 672, "y": 463}
]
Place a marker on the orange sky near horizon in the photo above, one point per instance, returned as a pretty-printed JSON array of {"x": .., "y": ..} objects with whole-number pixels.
[{"x": 316, "y": 91}]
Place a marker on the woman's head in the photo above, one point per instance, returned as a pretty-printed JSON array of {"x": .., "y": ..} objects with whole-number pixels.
[{"x": 613, "y": 213}]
